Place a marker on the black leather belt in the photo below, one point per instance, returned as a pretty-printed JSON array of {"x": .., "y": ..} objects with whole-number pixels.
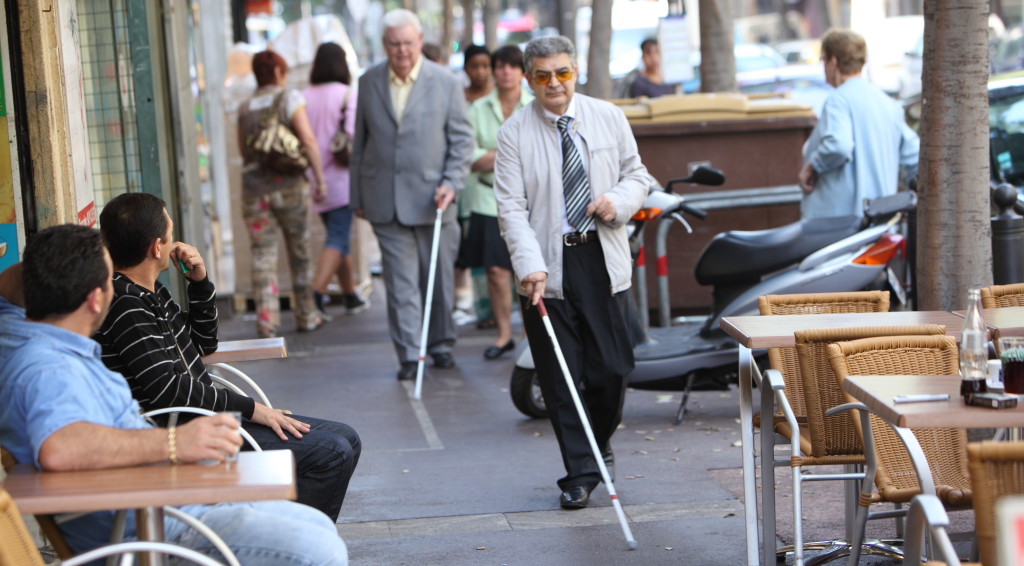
[{"x": 576, "y": 238}]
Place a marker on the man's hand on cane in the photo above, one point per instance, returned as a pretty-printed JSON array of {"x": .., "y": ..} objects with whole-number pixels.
[
  {"x": 443, "y": 196},
  {"x": 533, "y": 285}
]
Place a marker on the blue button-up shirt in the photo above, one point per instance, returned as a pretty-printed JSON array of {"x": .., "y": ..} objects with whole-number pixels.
[
  {"x": 51, "y": 378},
  {"x": 857, "y": 149}
]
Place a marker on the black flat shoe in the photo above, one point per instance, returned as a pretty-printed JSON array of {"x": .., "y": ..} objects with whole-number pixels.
[
  {"x": 495, "y": 352},
  {"x": 443, "y": 360},
  {"x": 575, "y": 497},
  {"x": 408, "y": 371}
]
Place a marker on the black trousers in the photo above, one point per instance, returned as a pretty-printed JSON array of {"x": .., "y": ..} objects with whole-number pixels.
[{"x": 592, "y": 332}]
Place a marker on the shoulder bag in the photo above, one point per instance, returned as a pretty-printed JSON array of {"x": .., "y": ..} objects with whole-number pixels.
[
  {"x": 341, "y": 143},
  {"x": 275, "y": 146}
]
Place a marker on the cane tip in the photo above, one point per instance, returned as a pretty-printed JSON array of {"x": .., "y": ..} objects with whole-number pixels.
[{"x": 631, "y": 544}]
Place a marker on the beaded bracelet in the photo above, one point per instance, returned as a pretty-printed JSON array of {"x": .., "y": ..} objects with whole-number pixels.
[{"x": 172, "y": 446}]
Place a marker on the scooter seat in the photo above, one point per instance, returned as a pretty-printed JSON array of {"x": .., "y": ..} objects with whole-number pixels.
[{"x": 744, "y": 256}]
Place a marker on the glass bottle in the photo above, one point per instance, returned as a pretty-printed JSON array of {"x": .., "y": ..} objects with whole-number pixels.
[{"x": 973, "y": 349}]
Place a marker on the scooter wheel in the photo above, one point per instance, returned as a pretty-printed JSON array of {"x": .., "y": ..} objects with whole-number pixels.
[{"x": 526, "y": 395}]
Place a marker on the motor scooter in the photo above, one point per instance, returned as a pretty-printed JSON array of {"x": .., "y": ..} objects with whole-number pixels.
[{"x": 808, "y": 256}]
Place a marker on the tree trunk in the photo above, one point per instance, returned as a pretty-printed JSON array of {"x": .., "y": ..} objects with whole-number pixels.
[
  {"x": 599, "y": 81},
  {"x": 447, "y": 28},
  {"x": 468, "y": 21},
  {"x": 409, "y": 5},
  {"x": 954, "y": 234},
  {"x": 717, "y": 59},
  {"x": 491, "y": 13},
  {"x": 567, "y": 18}
]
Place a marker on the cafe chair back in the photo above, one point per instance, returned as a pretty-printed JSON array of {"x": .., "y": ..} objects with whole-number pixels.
[
  {"x": 47, "y": 524},
  {"x": 824, "y": 440},
  {"x": 16, "y": 545},
  {"x": 17, "y": 548},
  {"x": 1000, "y": 296},
  {"x": 785, "y": 359},
  {"x": 996, "y": 470},
  {"x": 897, "y": 458}
]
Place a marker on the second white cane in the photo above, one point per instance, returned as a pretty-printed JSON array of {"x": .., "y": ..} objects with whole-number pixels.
[
  {"x": 630, "y": 541},
  {"x": 427, "y": 303}
]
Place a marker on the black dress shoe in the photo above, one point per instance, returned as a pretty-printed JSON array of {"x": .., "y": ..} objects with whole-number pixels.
[
  {"x": 575, "y": 497},
  {"x": 495, "y": 352},
  {"x": 408, "y": 371},
  {"x": 443, "y": 360}
]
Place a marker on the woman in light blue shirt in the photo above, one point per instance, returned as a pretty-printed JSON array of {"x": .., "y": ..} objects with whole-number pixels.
[{"x": 861, "y": 141}]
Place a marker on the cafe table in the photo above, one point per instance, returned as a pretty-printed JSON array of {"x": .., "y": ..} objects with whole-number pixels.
[
  {"x": 246, "y": 350},
  {"x": 255, "y": 476},
  {"x": 878, "y": 391},
  {"x": 756, "y": 332},
  {"x": 1005, "y": 321}
]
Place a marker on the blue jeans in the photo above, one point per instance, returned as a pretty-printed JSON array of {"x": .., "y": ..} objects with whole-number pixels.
[
  {"x": 325, "y": 459},
  {"x": 263, "y": 533}
]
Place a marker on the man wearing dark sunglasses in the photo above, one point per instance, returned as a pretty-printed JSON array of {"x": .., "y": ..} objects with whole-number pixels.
[{"x": 567, "y": 179}]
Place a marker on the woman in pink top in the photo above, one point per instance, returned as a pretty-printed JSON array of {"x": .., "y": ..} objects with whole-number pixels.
[{"x": 329, "y": 90}]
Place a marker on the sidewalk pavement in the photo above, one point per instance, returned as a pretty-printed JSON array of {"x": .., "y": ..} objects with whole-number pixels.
[{"x": 462, "y": 478}]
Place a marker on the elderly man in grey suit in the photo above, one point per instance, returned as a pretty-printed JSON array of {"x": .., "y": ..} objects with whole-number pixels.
[{"x": 410, "y": 157}]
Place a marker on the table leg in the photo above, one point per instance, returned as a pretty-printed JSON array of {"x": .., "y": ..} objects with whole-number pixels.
[
  {"x": 746, "y": 361},
  {"x": 768, "y": 541},
  {"x": 149, "y": 524}
]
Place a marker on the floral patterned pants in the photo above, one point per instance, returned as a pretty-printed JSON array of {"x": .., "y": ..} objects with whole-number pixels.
[{"x": 267, "y": 217}]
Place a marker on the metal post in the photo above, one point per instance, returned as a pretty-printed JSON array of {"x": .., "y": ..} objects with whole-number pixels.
[{"x": 1007, "y": 238}]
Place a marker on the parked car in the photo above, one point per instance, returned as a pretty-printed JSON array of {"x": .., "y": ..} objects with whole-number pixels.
[
  {"x": 749, "y": 57},
  {"x": 803, "y": 83},
  {"x": 889, "y": 40},
  {"x": 800, "y": 51}
]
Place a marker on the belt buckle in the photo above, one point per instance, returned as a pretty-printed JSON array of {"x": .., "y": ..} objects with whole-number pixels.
[{"x": 572, "y": 239}]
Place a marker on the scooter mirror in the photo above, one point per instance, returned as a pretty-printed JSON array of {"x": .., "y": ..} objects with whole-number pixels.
[{"x": 704, "y": 175}]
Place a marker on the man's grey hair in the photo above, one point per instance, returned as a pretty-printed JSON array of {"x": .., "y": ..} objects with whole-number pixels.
[
  {"x": 549, "y": 46},
  {"x": 401, "y": 18}
]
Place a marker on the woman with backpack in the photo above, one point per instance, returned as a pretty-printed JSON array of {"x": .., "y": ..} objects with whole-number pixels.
[{"x": 278, "y": 145}]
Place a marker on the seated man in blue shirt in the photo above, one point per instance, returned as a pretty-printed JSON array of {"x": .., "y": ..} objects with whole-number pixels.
[{"x": 62, "y": 409}]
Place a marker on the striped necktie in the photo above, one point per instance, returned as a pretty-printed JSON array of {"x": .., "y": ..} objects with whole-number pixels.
[{"x": 575, "y": 185}]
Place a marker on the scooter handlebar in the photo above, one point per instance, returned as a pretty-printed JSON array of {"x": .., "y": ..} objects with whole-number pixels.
[{"x": 693, "y": 211}]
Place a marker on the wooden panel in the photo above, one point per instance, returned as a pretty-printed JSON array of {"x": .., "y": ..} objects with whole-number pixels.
[{"x": 877, "y": 392}]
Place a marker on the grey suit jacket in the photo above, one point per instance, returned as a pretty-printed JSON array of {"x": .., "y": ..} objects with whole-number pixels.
[{"x": 394, "y": 169}]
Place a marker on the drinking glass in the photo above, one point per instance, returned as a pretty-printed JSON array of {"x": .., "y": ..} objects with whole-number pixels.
[
  {"x": 1011, "y": 353},
  {"x": 232, "y": 456}
]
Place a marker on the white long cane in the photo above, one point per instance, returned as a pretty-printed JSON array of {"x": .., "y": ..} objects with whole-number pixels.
[
  {"x": 428, "y": 302},
  {"x": 630, "y": 541}
]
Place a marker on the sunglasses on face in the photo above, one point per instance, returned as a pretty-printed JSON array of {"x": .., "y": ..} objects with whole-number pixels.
[{"x": 544, "y": 77}]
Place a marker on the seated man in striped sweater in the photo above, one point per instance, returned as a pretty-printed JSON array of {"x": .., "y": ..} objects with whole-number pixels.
[{"x": 157, "y": 346}]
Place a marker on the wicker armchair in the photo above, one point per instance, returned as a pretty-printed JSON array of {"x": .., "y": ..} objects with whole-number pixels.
[
  {"x": 47, "y": 524},
  {"x": 18, "y": 549},
  {"x": 894, "y": 472},
  {"x": 997, "y": 469},
  {"x": 999, "y": 296},
  {"x": 785, "y": 359},
  {"x": 830, "y": 440}
]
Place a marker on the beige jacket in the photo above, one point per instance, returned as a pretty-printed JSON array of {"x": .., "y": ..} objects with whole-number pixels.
[{"x": 528, "y": 188}]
